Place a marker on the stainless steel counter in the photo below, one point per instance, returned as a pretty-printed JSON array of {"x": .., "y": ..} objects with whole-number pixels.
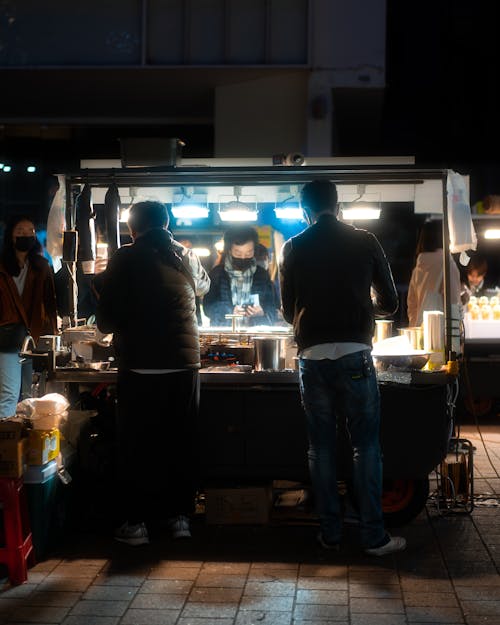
[{"x": 254, "y": 378}]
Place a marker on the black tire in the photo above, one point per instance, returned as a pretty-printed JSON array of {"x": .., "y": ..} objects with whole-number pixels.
[{"x": 403, "y": 500}]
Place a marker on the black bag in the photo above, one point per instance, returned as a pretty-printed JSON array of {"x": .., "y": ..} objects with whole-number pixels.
[{"x": 12, "y": 336}]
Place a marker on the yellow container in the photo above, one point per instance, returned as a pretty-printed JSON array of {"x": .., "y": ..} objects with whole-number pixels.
[{"x": 43, "y": 446}]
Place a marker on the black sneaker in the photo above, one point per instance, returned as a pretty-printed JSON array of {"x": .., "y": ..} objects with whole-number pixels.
[
  {"x": 327, "y": 545},
  {"x": 132, "y": 534}
]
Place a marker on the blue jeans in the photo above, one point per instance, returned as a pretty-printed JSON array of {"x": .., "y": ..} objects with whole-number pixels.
[
  {"x": 345, "y": 388},
  {"x": 15, "y": 382}
]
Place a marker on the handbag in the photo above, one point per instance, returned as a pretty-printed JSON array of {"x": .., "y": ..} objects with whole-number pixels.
[{"x": 12, "y": 336}]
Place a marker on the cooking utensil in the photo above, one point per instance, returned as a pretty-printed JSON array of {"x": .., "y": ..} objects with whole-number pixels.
[
  {"x": 414, "y": 361},
  {"x": 268, "y": 353}
]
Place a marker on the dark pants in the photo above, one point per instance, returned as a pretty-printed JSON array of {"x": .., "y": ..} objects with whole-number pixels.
[{"x": 157, "y": 444}]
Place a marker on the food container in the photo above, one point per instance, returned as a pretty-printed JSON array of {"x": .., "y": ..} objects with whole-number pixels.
[
  {"x": 383, "y": 329},
  {"x": 414, "y": 335},
  {"x": 268, "y": 353},
  {"x": 414, "y": 361}
]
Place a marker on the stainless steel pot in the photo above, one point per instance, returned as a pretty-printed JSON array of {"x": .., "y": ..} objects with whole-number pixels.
[{"x": 268, "y": 354}]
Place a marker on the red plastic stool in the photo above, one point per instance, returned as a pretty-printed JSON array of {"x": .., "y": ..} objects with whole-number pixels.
[{"x": 18, "y": 545}]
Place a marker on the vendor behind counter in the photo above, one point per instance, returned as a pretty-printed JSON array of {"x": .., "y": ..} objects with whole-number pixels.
[{"x": 239, "y": 286}]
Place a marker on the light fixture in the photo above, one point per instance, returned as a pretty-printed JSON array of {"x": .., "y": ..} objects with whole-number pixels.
[
  {"x": 355, "y": 210},
  {"x": 360, "y": 213},
  {"x": 31, "y": 169},
  {"x": 2, "y": 165},
  {"x": 7, "y": 168},
  {"x": 125, "y": 212},
  {"x": 238, "y": 207},
  {"x": 219, "y": 246},
  {"x": 492, "y": 233},
  {"x": 291, "y": 212},
  {"x": 203, "y": 252},
  {"x": 190, "y": 205}
]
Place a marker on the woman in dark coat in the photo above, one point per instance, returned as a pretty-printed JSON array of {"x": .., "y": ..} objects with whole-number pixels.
[{"x": 27, "y": 306}]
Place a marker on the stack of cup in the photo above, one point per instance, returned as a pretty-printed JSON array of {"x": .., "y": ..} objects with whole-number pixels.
[{"x": 434, "y": 338}]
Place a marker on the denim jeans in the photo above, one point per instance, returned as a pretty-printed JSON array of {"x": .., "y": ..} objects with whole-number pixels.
[
  {"x": 15, "y": 382},
  {"x": 344, "y": 389}
]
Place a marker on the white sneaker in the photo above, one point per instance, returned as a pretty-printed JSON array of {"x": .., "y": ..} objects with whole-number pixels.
[
  {"x": 393, "y": 545},
  {"x": 132, "y": 534},
  {"x": 179, "y": 526}
]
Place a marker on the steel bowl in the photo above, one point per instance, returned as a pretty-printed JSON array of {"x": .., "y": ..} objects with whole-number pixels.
[{"x": 413, "y": 362}]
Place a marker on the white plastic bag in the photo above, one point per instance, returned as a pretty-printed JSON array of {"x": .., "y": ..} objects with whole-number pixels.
[
  {"x": 462, "y": 234},
  {"x": 45, "y": 412},
  {"x": 56, "y": 221}
]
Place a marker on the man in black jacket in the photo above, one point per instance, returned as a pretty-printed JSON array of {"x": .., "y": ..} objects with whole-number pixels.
[
  {"x": 147, "y": 300},
  {"x": 333, "y": 278}
]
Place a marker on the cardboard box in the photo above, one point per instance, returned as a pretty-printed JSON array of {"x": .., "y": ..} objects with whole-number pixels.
[
  {"x": 238, "y": 506},
  {"x": 12, "y": 448},
  {"x": 43, "y": 446}
]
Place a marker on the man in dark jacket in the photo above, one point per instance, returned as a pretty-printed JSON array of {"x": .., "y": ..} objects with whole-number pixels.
[
  {"x": 147, "y": 300},
  {"x": 238, "y": 284},
  {"x": 333, "y": 278}
]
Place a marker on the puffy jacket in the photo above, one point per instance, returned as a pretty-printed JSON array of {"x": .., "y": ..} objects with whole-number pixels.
[
  {"x": 218, "y": 301},
  {"x": 329, "y": 274},
  {"x": 36, "y": 308},
  {"x": 147, "y": 299}
]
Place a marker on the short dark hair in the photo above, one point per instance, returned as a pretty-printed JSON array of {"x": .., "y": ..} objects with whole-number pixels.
[
  {"x": 144, "y": 216},
  {"x": 319, "y": 195},
  {"x": 238, "y": 235},
  {"x": 477, "y": 263}
]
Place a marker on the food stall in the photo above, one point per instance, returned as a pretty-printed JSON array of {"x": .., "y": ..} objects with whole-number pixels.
[
  {"x": 251, "y": 420},
  {"x": 481, "y": 367}
]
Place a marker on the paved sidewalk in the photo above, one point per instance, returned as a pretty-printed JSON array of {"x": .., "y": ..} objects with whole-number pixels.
[{"x": 276, "y": 575}]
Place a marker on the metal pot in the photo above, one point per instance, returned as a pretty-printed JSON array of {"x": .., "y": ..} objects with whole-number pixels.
[{"x": 268, "y": 354}]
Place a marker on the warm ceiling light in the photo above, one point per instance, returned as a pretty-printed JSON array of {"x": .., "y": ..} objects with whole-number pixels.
[
  {"x": 361, "y": 213},
  {"x": 124, "y": 215},
  {"x": 201, "y": 251},
  {"x": 237, "y": 211},
  {"x": 289, "y": 212},
  {"x": 492, "y": 233},
  {"x": 190, "y": 211}
]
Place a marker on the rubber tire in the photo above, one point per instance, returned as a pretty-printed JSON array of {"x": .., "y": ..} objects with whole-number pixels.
[{"x": 403, "y": 500}]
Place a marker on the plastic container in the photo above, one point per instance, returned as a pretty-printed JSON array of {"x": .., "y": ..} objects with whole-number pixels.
[{"x": 42, "y": 486}]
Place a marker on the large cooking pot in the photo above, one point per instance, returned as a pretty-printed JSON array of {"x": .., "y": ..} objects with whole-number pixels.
[{"x": 269, "y": 353}]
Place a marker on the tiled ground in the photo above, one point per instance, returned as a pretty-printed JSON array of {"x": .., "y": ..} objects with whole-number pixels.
[{"x": 253, "y": 576}]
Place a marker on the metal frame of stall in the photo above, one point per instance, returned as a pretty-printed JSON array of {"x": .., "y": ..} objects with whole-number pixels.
[
  {"x": 275, "y": 175},
  {"x": 263, "y": 175}
]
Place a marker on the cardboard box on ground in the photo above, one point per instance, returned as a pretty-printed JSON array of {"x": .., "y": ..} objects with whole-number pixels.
[{"x": 245, "y": 505}]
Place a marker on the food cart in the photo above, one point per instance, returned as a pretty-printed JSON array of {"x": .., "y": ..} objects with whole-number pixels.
[{"x": 251, "y": 421}]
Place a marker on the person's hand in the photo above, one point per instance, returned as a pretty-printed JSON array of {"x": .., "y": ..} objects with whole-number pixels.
[
  {"x": 239, "y": 310},
  {"x": 254, "y": 311}
]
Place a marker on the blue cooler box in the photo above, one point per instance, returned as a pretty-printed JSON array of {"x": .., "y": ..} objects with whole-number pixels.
[{"x": 41, "y": 485}]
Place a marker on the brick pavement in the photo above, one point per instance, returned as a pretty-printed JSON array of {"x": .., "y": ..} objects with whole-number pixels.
[{"x": 449, "y": 574}]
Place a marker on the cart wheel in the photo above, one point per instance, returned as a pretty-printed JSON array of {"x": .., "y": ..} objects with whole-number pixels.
[{"x": 403, "y": 500}]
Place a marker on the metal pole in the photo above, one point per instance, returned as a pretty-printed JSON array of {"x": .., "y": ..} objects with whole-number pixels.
[{"x": 446, "y": 275}]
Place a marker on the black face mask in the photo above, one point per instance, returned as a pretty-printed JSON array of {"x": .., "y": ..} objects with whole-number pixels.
[
  {"x": 24, "y": 244},
  {"x": 240, "y": 264}
]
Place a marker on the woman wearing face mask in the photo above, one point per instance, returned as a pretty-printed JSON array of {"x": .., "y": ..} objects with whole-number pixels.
[
  {"x": 27, "y": 306},
  {"x": 238, "y": 285}
]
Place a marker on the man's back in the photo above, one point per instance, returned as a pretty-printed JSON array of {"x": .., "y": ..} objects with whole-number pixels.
[
  {"x": 148, "y": 301},
  {"x": 327, "y": 274}
]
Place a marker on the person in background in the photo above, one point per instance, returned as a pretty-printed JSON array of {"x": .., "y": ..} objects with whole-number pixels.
[
  {"x": 332, "y": 313},
  {"x": 27, "y": 307},
  {"x": 238, "y": 285},
  {"x": 147, "y": 300},
  {"x": 475, "y": 276},
  {"x": 425, "y": 291}
]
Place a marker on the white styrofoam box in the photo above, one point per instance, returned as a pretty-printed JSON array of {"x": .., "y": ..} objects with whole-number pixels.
[{"x": 482, "y": 328}]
